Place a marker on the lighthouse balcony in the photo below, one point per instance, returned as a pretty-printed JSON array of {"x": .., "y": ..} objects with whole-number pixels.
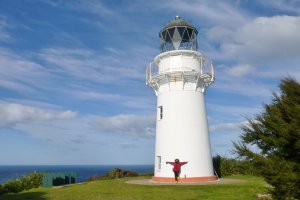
[
  {"x": 188, "y": 68},
  {"x": 188, "y": 79},
  {"x": 184, "y": 78}
]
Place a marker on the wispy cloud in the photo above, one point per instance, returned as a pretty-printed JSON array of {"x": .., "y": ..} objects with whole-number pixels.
[
  {"x": 241, "y": 70},
  {"x": 86, "y": 64},
  {"x": 4, "y": 34},
  {"x": 97, "y": 96},
  {"x": 132, "y": 125},
  {"x": 19, "y": 73},
  {"x": 93, "y": 6},
  {"x": 216, "y": 12},
  {"x": 283, "y": 5},
  {"x": 116, "y": 98},
  {"x": 72, "y": 129},
  {"x": 225, "y": 127},
  {"x": 246, "y": 87},
  {"x": 73, "y": 132},
  {"x": 12, "y": 114}
]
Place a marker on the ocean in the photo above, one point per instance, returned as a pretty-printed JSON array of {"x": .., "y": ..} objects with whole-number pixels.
[{"x": 83, "y": 171}]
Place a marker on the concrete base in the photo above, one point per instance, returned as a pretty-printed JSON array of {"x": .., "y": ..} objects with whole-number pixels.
[
  {"x": 185, "y": 179},
  {"x": 216, "y": 182}
]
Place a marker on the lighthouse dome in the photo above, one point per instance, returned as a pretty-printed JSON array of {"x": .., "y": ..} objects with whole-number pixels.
[{"x": 178, "y": 34}]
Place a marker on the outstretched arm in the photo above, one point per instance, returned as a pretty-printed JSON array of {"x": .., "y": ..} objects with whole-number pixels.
[
  {"x": 183, "y": 163},
  {"x": 172, "y": 163}
]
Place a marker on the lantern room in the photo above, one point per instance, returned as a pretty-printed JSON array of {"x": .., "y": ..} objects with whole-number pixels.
[{"x": 178, "y": 35}]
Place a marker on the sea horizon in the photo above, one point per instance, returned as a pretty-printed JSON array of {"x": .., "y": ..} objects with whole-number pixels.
[{"x": 11, "y": 172}]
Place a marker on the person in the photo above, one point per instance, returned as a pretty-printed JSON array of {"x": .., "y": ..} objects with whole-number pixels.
[{"x": 177, "y": 168}]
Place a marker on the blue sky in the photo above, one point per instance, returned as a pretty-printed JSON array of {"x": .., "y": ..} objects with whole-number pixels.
[{"x": 72, "y": 73}]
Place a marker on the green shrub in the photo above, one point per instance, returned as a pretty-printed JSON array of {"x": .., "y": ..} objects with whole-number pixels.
[
  {"x": 113, "y": 174},
  {"x": 146, "y": 174},
  {"x": 13, "y": 186},
  {"x": 32, "y": 180},
  {"x": 229, "y": 166},
  {"x": 119, "y": 173},
  {"x": 27, "y": 182},
  {"x": 3, "y": 190},
  {"x": 283, "y": 176}
]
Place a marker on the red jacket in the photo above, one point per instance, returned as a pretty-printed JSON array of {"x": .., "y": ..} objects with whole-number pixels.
[{"x": 177, "y": 166}]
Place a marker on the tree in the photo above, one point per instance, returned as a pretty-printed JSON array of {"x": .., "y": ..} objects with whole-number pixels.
[{"x": 272, "y": 141}]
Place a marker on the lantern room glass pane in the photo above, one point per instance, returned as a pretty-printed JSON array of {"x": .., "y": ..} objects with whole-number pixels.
[
  {"x": 190, "y": 32},
  {"x": 168, "y": 38},
  {"x": 180, "y": 30},
  {"x": 185, "y": 36},
  {"x": 164, "y": 34},
  {"x": 171, "y": 31}
]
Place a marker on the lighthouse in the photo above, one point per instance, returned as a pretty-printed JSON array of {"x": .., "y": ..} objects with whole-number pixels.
[{"x": 179, "y": 76}]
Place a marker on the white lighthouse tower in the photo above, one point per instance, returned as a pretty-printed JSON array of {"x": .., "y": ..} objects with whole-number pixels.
[{"x": 179, "y": 76}]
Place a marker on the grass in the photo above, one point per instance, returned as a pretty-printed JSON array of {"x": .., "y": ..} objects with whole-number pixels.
[{"x": 119, "y": 190}]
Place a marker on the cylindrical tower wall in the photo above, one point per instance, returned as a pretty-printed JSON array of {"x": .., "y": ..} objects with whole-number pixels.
[
  {"x": 179, "y": 78},
  {"x": 182, "y": 132}
]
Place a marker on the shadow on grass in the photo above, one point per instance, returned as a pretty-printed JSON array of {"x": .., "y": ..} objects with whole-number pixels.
[{"x": 24, "y": 196}]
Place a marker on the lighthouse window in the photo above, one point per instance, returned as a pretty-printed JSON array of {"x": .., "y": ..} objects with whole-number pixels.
[
  {"x": 158, "y": 162},
  {"x": 160, "y": 112}
]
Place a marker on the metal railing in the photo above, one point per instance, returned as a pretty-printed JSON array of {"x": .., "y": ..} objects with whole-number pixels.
[{"x": 206, "y": 67}]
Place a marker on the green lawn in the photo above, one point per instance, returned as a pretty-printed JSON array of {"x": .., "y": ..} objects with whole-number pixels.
[{"x": 119, "y": 190}]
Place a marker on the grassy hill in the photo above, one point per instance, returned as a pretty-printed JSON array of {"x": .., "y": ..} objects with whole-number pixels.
[{"x": 118, "y": 189}]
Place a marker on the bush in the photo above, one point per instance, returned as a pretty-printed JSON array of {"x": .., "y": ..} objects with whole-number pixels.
[
  {"x": 27, "y": 182},
  {"x": 13, "y": 186},
  {"x": 119, "y": 173},
  {"x": 147, "y": 174},
  {"x": 229, "y": 166},
  {"x": 32, "y": 180},
  {"x": 2, "y": 189},
  {"x": 113, "y": 174},
  {"x": 284, "y": 179}
]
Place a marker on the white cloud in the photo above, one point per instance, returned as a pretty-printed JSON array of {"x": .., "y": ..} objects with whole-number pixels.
[
  {"x": 12, "y": 114},
  {"x": 267, "y": 47},
  {"x": 265, "y": 40},
  {"x": 241, "y": 70},
  {"x": 234, "y": 126},
  {"x": 67, "y": 114},
  {"x": 132, "y": 125}
]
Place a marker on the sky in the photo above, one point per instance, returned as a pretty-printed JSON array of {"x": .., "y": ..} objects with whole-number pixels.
[{"x": 72, "y": 73}]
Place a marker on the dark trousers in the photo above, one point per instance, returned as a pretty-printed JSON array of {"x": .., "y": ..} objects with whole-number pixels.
[{"x": 176, "y": 175}]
